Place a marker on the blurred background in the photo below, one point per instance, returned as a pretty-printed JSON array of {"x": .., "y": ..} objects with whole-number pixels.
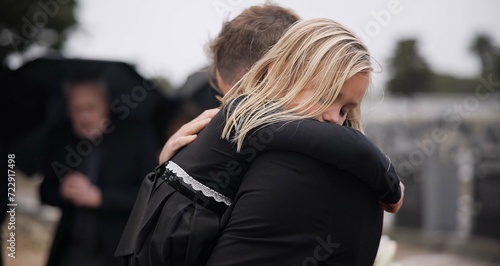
[{"x": 433, "y": 106}]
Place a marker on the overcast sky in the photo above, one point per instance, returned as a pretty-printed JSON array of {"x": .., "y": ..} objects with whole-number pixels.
[{"x": 167, "y": 38}]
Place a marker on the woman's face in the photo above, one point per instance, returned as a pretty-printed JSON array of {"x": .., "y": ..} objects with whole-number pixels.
[{"x": 350, "y": 97}]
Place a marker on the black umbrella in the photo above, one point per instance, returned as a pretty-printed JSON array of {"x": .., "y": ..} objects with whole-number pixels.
[{"x": 33, "y": 100}]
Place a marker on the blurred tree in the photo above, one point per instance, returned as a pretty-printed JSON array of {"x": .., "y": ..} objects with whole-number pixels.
[
  {"x": 489, "y": 55},
  {"x": 496, "y": 68},
  {"x": 450, "y": 84},
  {"x": 409, "y": 71},
  {"x": 483, "y": 47},
  {"x": 24, "y": 23}
]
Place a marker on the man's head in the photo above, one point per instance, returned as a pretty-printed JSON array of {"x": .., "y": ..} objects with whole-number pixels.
[
  {"x": 88, "y": 106},
  {"x": 245, "y": 39}
]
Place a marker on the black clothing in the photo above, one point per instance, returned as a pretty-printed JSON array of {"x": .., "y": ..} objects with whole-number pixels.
[
  {"x": 82, "y": 249},
  {"x": 124, "y": 156},
  {"x": 215, "y": 162},
  {"x": 294, "y": 210},
  {"x": 167, "y": 230}
]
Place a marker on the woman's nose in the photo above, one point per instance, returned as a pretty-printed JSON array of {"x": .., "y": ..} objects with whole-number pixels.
[{"x": 332, "y": 116}]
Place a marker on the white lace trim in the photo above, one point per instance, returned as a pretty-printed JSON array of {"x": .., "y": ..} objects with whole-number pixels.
[{"x": 186, "y": 178}]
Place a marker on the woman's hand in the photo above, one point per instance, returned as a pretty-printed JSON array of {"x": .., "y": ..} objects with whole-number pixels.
[{"x": 186, "y": 134}]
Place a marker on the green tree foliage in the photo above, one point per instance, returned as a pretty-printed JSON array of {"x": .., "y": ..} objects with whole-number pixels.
[
  {"x": 27, "y": 22},
  {"x": 489, "y": 57},
  {"x": 488, "y": 54},
  {"x": 409, "y": 71},
  {"x": 496, "y": 67},
  {"x": 483, "y": 47},
  {"x": 450, "y": 84}
]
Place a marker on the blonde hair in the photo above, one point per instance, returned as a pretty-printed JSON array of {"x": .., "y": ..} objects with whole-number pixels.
[{"x": 317, "y": 55}]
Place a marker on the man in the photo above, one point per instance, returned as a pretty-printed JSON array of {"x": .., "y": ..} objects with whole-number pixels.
[
  {"x": 230, "y": 63},
  {"x": 251, "y": 33},
  {"x": 93, "y": 170}
]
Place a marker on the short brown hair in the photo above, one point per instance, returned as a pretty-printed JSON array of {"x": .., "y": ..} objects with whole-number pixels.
[{"x": 245, "y": 39}]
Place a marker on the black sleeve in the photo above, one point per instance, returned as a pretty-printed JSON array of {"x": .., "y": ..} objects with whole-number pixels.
[
  {"x": 49, "y": 192},
  {"x": 340, "y": 146}
]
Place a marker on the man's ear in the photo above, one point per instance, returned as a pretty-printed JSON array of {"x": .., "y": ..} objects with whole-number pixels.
[{"x": 223, "y": 86}]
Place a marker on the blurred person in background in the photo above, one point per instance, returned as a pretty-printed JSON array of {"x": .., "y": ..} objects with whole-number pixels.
[{"x": 93, "y": 169}]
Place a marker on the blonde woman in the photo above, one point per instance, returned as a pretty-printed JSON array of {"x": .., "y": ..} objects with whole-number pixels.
[{"x": 296, "y": 98}]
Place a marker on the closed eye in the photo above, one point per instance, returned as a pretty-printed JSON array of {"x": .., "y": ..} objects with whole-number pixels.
[
  {"x": 347, "y": 108},
  {"x": 343, "y": 112}
]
